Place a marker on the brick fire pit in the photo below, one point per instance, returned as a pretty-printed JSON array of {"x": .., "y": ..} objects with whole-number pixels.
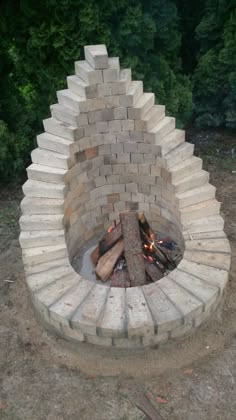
[{"x": 107, "y": 147}]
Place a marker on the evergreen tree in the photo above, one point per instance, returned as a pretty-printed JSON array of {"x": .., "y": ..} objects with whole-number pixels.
[{"x": 214, "y": 87}]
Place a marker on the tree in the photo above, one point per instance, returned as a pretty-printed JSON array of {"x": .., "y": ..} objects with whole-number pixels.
[{"x": 214, "y": 88}]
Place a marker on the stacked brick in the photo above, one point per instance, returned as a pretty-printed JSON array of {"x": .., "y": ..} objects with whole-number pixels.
[{"x": 108, "y": 147}]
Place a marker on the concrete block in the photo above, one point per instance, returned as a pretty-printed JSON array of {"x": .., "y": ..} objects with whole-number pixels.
[
  {"x": 160, "y": 130},
  {"x": 165, "y": 314},
  {"x": 112, "y": 322},
  {"x": 39, "y": 268},
  {"x": 87, "y": 73},
  {"x": 96, "y": 56},
  {"x": 206, "y": 224},
  {"x": 127, "y": 125},
  {"x": 120, "y": 113},
  {"x": 30, "y": 205},
  {"x": 63, "y": 309},
  {"x": 60, "y": 129},
  {"x": 46, "y": 173},
  {"x": 42, "y": 279},
  {"x": 196, "y": 195},
  {"x": 37, "y": 255},
  {"x": 182, "y": 152},
  {"x": 86, "y": 317},
  {"x": 183, "y": 300},
  {"x": 195, "y": 180},
  {"x": 121, "y": 87},
  {"x": 204, "y": 291},
  {"x": 67, "y": 116},
  {"x": 82, "y": 88},
  {"x": 141, "y": 107},
  {"x": 41, "y": 221},
  {"x": 186, "y": 168},
  {"x": 171, "y": 141},
  {"x": 43, "y": 189},
  {"x": 48, "y": 158},
  {"x": 111, "y": 74},
  {"x": 140, "y": 323},
  {"x": 114, "y": 125},
  {"x": 135, "y": 90},
  {"x": 150, "y": 119},
  {"x": 123, "y": 158},
  {"x": 199, "y": 210},
  {"x": 30, "y": 239},
  {"x": 213, "y": 259},
  {"x": 50, "y": 293},
  {"x": 212, "y": 275}
]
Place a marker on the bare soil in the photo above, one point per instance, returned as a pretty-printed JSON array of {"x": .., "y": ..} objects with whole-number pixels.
[{"x": 43, "y": 377}]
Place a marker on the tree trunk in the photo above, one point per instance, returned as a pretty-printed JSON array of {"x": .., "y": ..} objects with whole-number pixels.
[{"x": 133, "y": 248}]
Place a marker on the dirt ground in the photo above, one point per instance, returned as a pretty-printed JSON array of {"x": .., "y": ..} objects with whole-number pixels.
[{"x": 43, "y": 377}]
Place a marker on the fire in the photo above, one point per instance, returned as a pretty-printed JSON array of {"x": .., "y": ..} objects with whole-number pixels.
[
  {"x": 109, "y": 229},
  {"x": 160, "y": 242}
]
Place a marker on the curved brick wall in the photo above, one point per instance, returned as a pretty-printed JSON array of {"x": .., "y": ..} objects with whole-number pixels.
[{"x": 108, "y": 147}]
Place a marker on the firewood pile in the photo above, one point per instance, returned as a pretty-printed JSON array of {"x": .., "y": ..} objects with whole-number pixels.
[{"x": 129, "y": 255}]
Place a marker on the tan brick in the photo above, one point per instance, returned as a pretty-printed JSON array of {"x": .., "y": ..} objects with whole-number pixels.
[
  {"x": 106, "y": 170},
  {"x": 117, "y": 148},
  {"x": 112, "y": 179},
  {"x": 123, "y": 137},
  {"x": 123, "y": 158},
  {"x": 102, "y": 127},
  {"x": 156, "y": 170},
  {"x": 131, "y": 168},
  {"x": 130, "y": 147},
  {"x": 137, "y": 158},
  {"x": 125, "y": 196},
  {"x": 120, "y": 113},
  {"x": 127, "y": 125},
  {"x": 113, "y": 198},
  {"x": 109, "y": 138},
  {"x": 91, "y": 152},
  {"x": 144, "y": 169},
  {"x": 114, "y": 125},
  {"x": 118, "y": 188},
  {"x": 118, "y": 169},
  {"x": 132, "y": 187}
]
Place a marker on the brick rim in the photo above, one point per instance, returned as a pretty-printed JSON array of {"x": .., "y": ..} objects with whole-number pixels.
[{"x": 65, "y": 301}]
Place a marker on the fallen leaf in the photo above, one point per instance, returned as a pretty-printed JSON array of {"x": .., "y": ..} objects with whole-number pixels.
[
  {"x": 3, "y": 405},
  {"x": 161, "y": 400},
  {"x": 188, "y": 371}
]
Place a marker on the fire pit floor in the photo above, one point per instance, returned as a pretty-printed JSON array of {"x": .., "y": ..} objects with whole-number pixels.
[{"x": 108, "y": 148}]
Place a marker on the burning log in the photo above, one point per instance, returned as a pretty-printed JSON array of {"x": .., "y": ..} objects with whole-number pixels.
[
  {"x": 110, "y": 239},
  {"x": 144, "y": 225},
  {"x": 107, "y": 262},
  {"x": 133, "y": 248},
  {"x": 153, "y": 272}
]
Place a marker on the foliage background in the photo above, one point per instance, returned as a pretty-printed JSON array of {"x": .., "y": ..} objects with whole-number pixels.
[{"x": 185, "y": 52}]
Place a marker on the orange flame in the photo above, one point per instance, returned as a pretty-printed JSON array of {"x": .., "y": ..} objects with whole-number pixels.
[{"x": 109, "y": 229}]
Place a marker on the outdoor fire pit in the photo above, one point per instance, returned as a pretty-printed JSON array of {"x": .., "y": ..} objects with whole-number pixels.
[{"x": 112, "y": 168}]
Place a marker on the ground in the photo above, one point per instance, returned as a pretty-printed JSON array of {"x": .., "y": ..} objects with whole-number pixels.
[{"x": 43, "y": 377}]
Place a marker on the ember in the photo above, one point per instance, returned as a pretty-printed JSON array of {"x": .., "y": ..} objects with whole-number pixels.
[{"x": 128, "y": 254}]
